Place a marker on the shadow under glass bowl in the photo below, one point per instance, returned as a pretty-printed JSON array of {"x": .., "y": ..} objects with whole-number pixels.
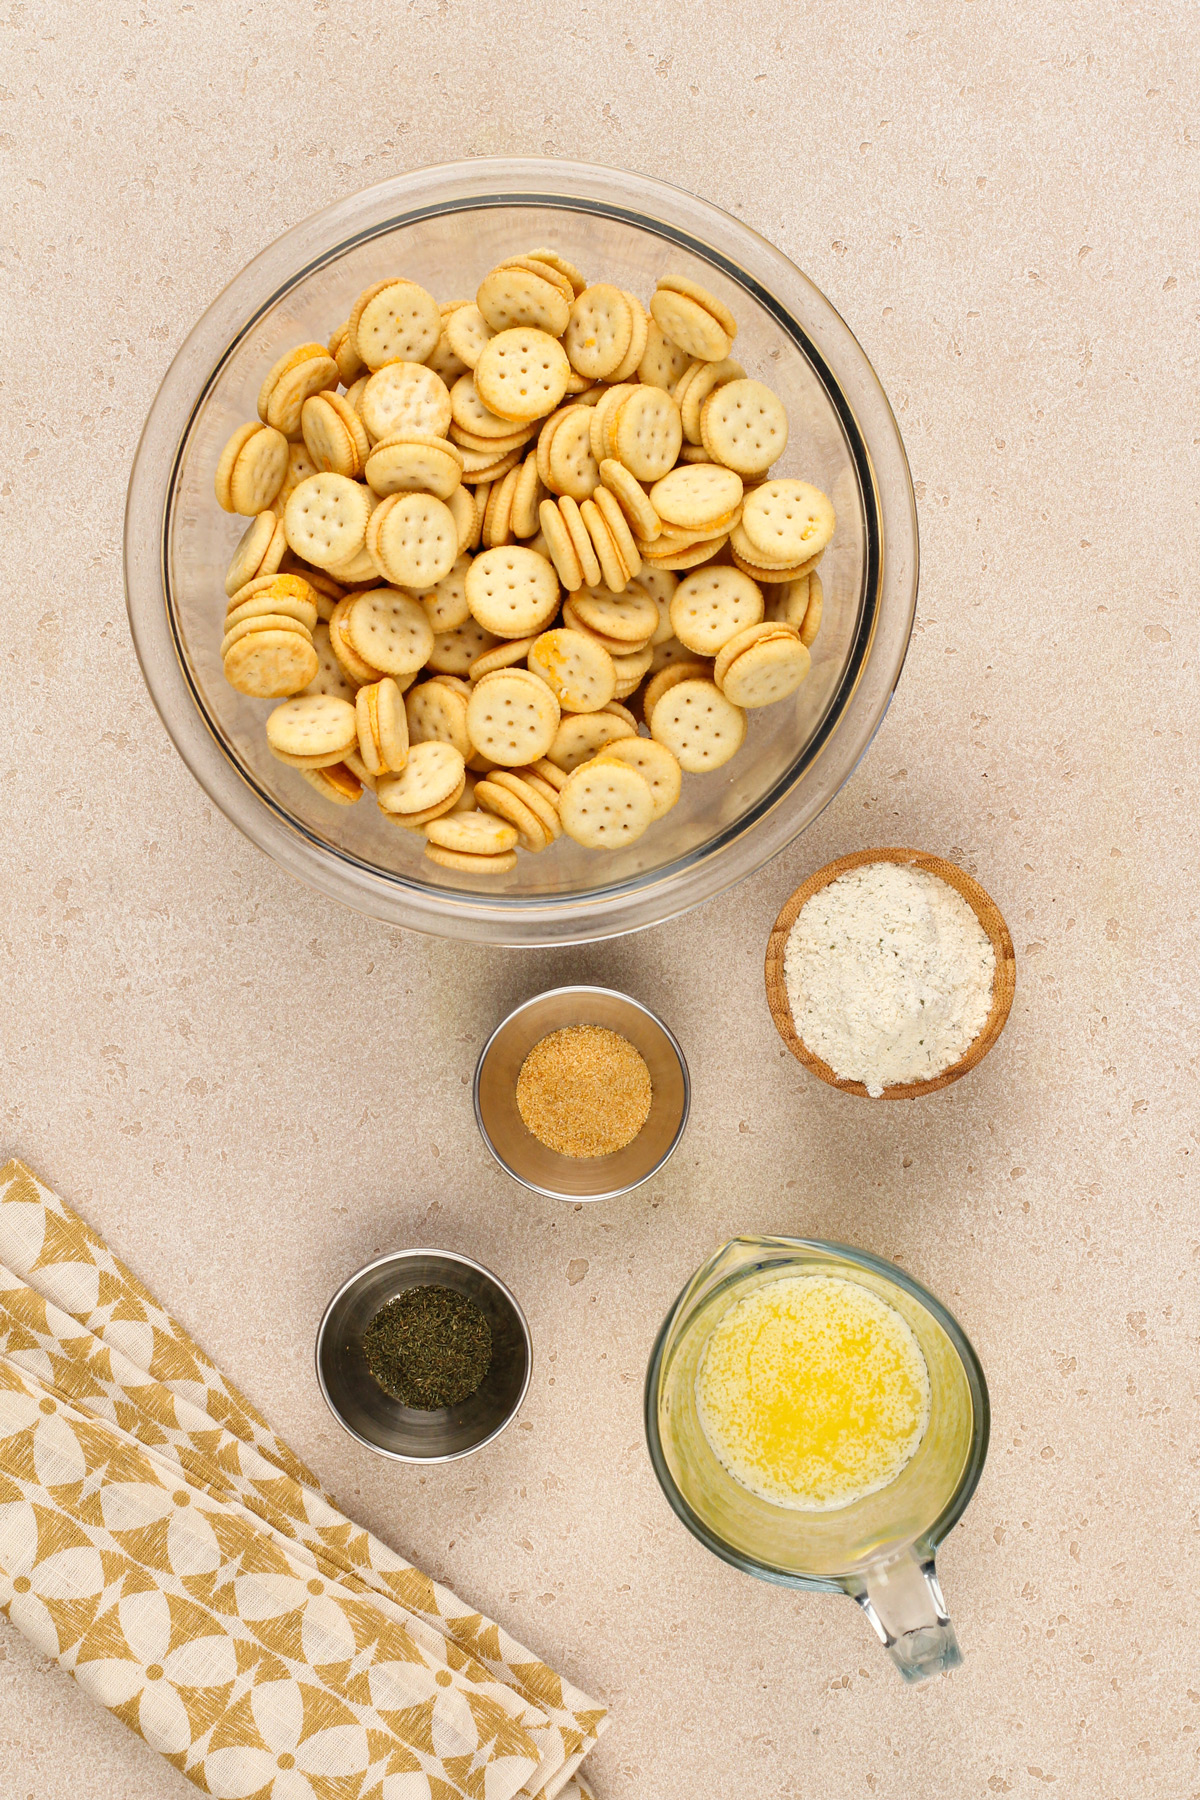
[
  {"x": 407, "y": 1433},
  {"x": 514, "y": 1146},
  {"x": 445, "y": 227}
]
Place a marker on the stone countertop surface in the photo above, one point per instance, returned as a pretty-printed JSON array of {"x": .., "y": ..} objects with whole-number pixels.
[{"x": 250, "y": 1092}]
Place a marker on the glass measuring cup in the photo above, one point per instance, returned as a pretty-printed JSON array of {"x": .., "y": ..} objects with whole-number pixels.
[{"x": 880, "y": 1550}]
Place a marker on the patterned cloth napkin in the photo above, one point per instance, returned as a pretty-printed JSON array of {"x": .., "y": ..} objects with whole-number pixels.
[{"x": 164, "y": 1546}]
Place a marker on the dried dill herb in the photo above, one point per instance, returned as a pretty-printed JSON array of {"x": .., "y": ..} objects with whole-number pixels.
[{"x": 429, "y": 1347}]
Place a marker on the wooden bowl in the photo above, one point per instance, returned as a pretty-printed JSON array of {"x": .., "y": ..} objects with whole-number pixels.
[{"x": 985, "y": 910}]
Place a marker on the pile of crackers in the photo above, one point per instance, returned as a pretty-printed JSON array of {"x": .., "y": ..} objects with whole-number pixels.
[{"x": 517, "y": 564}]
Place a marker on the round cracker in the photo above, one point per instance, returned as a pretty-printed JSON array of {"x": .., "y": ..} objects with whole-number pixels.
[
  {"x": 252, "y": 469},
  {"x": 512, "y": 718},
  {"x": 382, "y": 727},
  {"x": 640, "y": 321},
  {"x": 434, "y": 775},
  {"x": 618, "y": 530},
  {"x": 326, "y": 519},
  {"x": 543, "y": 808},
  {"x": 702, "y": 380},
  {"x": 699, "y": 725},
  {"x": 505, "y": 655},
  {"x": 334, "y": 435},
  {"x": 510, "y": 297},
  {"x": 569, "y": 467},
  {"x": 662, "y": 361},
  {"x": 787, "y": 521},
  {"x": 400, "y": 322},
  {"x": 690, "y": 325},
  {"x": 436, "y": 714},
  {"x": 605, "y": 806},
  {"x": 512, "y": 592},
  {"x": 632, "y": 498},
  {"x": 405, "y": 396},
  {"x": 251, "y": 548},
  {"x": 646, "y": 433},
  {"x": 581, "y": 543},
  {"x": 295, "y": 386},
  {"x": 742, "y": 640},
  {"x": 527, "y": 497},
  {"x": 330, "y": 677},
  {"x": 580, "y": 736},
  {"x": 465, "y": 864},
  {"x": 682, "y": 284},
  {"x": 412, "y": 540},
  {"x": 695, "y": 495},
  {"x": 454, "y": 651},
  {"x": 712, "y": 605},
  {"x": 352, "y": 664},
  {"x": 629, "y": 671},
  {"x": 472, "y": 414},
  {"x": 812, "y": 617},
  {"x": 598, "y": 333},
  {"x": 532, "y": 832},
  {"x": 629, "y": 617},
  {"x": 445, "y": 603},
  {"x": 579, "y": 673},
  {"x": 466, "y": 516},
  {"x": 267, "y": 665},
  {"x": 420, "y": 463},
  {"x": 312, "y": 725},
  {"x": 669, "y": 676},
  {"x": 467, "y": 333},
  {"x": 744, "y": 426},
  {"x": 768, "y": 671},
  {"x": 522, "y": 373},
  {"x": 389, "y": 630},
  {"x": 260, "y": 622}
]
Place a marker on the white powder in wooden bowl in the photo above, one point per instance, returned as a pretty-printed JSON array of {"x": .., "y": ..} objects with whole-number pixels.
[{"x": 889, "y": 974}]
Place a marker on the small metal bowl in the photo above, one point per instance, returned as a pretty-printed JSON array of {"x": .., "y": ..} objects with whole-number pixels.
[
  {"x": 361, "y": 1406},
  {"x": 580, "y": 1178}
]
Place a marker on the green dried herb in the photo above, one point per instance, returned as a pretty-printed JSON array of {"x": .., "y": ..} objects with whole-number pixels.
[{"x": 429, "y": 1347}]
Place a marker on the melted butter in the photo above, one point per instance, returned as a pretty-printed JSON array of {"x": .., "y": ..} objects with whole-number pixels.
[{"x": 813, "y": 1392}]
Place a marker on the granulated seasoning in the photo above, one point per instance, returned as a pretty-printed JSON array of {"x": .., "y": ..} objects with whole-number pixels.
[
  {"x": 584, "y": 1091},
  {"x": 428, "y": 1348}
]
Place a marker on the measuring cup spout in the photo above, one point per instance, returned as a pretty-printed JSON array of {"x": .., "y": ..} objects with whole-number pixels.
[{"x": 904, "y": 1603}]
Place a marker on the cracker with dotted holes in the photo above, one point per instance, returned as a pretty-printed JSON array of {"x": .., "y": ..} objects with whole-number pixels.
[
  {"x": 399, "y": 322},
  {"x": 341, "y": 348},
  {"x": 657, "y": 766},
  {"x": 789, "y": 603},
  {"x": 691, "y": 326},
  {"x": 561, "y": 266},
  {"x": 436, "y": 714},
  {"x": 694, "y": 495},
  {"x": 632, "y": 498},
  {"x": 266, "y": 665},
  {"x": 412, "y": 540},
  {"x": 569, "y": 467},
  {"x": 598, "y": 333},
  {"x": 605, "y": 806},
  {"x": 326, "y": 519},
  {"x": 291, "y": 359},
  {"x": 670, "y": 650},
  {"x": 411, "y": 461},
  {"x": 573, "y": 622},
  {"x": 701, "y": 380},
  {"x": 669, "y": 675},
  {"x": 338, "y": 783},
  {"x": 445, "y": 603},
  {"x": 382, "y": 727},
  {"x": 544, "y": 810},
  {"x": 471, "y": 865},
  {"x": 251, "y": 469},
  {"x": 512, "y": 718},
  {"x": 662, "y": 361},
  {"x": 579, "y": 673},
  {"x": 472, "y": 414},
  {"x": 511, "y": 297},
  {"x": 646, "y": 433},
  {"x": 750, "y": 564},
  {"x": 744, "y": 426},
  {"x": 334, "y": 435},
  {"x": 682, "y": 284},
  {"x": 300, "y": 466},
  {"x": 699, "y": 725},
  {"x": 679, "y": 560},
  {"x": 606, "y": 406},
  {"x": 712, "y": 605},
  {"x": 527, "y": 497},
  {"x": 512, "y": 591},
  {"x": 581, "y": 735},
  {"x": 434, "y": 775},
  {"x": 630, "y": 617},
  {"x": 454, "y": 651},
  {"x": 313, "y": 725},
  {"x": 742, "y": 640},
  {"x": 282, "y": 585},
  {"x": 467, "y": 333},
  {"x": 769, "y": 671},
  {"x": 274, "y": 599},
  {"x": 522, "y": 374},
  {"x": 415, "y": 821},
  {"x": 787, "y": 521},
  {"x": 626, "y": 369},
  {"x": 497, "y": 517},
  {"x": 661, "y": 586},
  {"x": 389, "y": 630},
  {"x": 405, "y": 396},
  {"x": 472, "y": 833}
]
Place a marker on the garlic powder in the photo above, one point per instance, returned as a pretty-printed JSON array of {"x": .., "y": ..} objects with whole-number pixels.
[{"x": 889, "y": 975}]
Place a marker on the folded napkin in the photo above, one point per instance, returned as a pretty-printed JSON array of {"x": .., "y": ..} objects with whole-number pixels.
[{"x": 164, "y": 1546}]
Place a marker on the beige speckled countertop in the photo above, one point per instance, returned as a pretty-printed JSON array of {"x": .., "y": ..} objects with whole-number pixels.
[{"x": 250, "y": 1092}]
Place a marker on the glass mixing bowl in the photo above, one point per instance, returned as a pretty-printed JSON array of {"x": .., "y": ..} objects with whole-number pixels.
[{"x": 445, "y": 227}]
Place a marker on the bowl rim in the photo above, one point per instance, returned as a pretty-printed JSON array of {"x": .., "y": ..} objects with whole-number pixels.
[
  {"x": 685, "y": 1111},
  {"x": 872, "y": 442},
  {"x": 986, "y": 911},
  {"x": 390, "y": 1259}
]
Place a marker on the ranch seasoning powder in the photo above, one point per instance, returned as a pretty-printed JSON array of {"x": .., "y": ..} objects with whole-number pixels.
[{"x": 889, "y": 975}]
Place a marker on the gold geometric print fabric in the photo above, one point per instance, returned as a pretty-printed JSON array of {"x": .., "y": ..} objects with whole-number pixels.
[{"x": 168, "y": 1550}]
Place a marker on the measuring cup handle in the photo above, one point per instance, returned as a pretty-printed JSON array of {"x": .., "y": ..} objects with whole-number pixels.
[{"x": 904, "y": 1603}]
